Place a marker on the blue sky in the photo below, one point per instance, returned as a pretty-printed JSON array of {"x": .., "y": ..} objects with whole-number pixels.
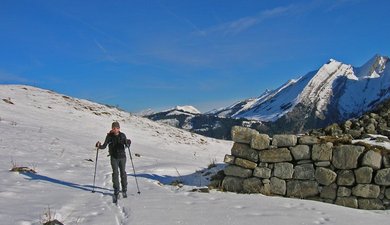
[{"x": 141, "y": 54}]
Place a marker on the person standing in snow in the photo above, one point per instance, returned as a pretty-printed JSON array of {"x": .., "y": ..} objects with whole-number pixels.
[{"x": 117, "y": 142}]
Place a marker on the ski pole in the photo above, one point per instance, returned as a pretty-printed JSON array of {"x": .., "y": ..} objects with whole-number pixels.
[
  {"x": 135, "y": 175},
  {"x": 94, "y": 175}
]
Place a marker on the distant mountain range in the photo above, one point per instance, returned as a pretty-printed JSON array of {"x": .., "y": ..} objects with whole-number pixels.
[
  {"x": 333, "y": 93},
  {"x": 190, "y": 119}
]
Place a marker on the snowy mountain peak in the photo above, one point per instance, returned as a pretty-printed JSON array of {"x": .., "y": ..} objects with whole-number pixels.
[
  {"x": 320, "y": 88},
  {"x": 333, "y": 61},
  {"x": 334, "y": 92},
  {"x": 373, "y": 68},
  {"x": 188, "y": 109}
]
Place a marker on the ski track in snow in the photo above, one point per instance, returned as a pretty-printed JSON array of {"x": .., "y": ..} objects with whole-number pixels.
[{"x": 56, "y": 135}]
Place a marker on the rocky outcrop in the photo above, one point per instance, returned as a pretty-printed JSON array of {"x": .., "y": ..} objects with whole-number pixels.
[
  {"x": 375, "y": 122},
  {"x": 324, "y": 168}
]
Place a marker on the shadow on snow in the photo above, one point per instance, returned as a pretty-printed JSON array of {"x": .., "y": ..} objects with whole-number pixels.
[
  {"x": 37, "y": 177},
  {"x": 199, "y": 178}
]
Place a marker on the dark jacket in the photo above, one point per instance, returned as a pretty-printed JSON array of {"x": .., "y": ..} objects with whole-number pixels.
[{"x": 116, "y": 145}]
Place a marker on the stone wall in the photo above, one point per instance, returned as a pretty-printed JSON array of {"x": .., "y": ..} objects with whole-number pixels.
[{"x": 308, "y": 167}]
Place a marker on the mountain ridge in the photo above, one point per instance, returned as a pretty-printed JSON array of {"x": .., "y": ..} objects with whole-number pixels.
[
  {"x": 316, "y": 87},
  {"x": 333, "y": 93}
]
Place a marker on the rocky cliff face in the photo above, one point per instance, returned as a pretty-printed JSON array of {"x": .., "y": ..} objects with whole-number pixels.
[{"x": 375, "y": 122}]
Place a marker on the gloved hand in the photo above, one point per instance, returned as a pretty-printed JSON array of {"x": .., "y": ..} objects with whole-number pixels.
[
  {"x": 128, "y": 142},
  {"x": 98, "y": 144}
]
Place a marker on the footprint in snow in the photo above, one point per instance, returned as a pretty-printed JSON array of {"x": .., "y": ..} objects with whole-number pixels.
[{"x": 322, "y": 220}]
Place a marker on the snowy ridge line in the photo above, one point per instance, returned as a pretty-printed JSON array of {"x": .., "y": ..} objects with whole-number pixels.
[{"x": 333, "y": 86}]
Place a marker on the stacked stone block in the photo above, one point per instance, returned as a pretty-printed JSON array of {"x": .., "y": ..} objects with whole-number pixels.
[{"x": 307, "y": 167}]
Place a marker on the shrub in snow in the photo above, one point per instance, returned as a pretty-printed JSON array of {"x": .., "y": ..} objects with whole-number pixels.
[{"x": 21, "y": 169}]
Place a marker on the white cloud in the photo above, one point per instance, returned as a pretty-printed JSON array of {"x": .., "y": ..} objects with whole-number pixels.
[
  {"x": 244, "y": 23},
  {"x": 107, "y": 56},
  {"x": 341, "y": 3}
]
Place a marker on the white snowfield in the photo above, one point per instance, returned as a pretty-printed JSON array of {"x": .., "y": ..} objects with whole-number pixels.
[{"x": 56, "y": 134}]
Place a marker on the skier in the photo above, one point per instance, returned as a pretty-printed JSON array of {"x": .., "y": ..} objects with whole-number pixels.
[{"x": 116, "y": 142}]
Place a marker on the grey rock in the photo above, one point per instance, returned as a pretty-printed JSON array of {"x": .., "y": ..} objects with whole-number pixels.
[
  {"x": 247, "y": 164},
  {"x": 329, "y": 192},
  {"x": 266, "y": 190},
  {"x": 284, "y": 140},
  {"x": 386, "y": 203},
  {"x": 304, "y": 172},
  {"x": 262, "y": 172},
  {"x": 275, "y": 155},
  {"x": 252, "y": 185},
  {"x": 381, "y": 196},
  {"x": 351, "y": 202},
  {"x": 322, "y": 163},
  {"x": 263, "y": 164},
  {"x": 278, "y": 186},
  {"x": 345, "y": 178},
  {"x": 325, "y": 176},
  {"x": 346, "y": 156},
  {"x": 372, "y": 159},
  {"x": 308, "y": 140},
  {"x": 383, "y": 177},
  {"x": 300, "y": 152},
  {"x": 364, "y": 175},
  {"x": 347, "y": 125},
  {"x": 366, "y": 190},
  {"x": 283, "y": 170},
  {"x": 229, "y": 159},
  {"x": 354, "y": 133},
  {"x": 370, "y": 129},
  {"x": 300, "y": 162},
  {"x": 260, "y": 141},
  {"x": 344, "y": 192},
  {"x": 386, "y": 161},
  {"x": 302, "y": 189},
  {"x": 387, "y": 193},
  {"x": 374, "y": 116},
  {"x": 237, "y": 171},
  {"x": 243, "y": 134},
  {"x": 333, "y": 130},
  {"x": 370, "y": 204},
  {"x": 322, "y": 152},
  {"x": 232, "y": 184},
  {"x": 244, "y": 151},
  {"x": 266, "y": 181}
]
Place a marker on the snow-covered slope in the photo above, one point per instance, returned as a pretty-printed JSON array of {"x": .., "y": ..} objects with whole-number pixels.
[
  {"x": 319, "y": 88},
  {"x": 179, "y": 116},
  {"x": 371, "y": 87},
  {"x": 55, "y": 134},
  {"x": 335, "y": 92},
  {"x": 181, "y": 110},
  {"x": 188, "y": 109}
]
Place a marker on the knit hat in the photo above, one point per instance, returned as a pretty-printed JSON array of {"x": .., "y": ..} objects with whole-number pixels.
[{"x": 115, "y": 124}]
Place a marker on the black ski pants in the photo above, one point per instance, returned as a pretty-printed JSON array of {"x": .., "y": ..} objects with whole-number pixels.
[{"x": 119, "y": 166}]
